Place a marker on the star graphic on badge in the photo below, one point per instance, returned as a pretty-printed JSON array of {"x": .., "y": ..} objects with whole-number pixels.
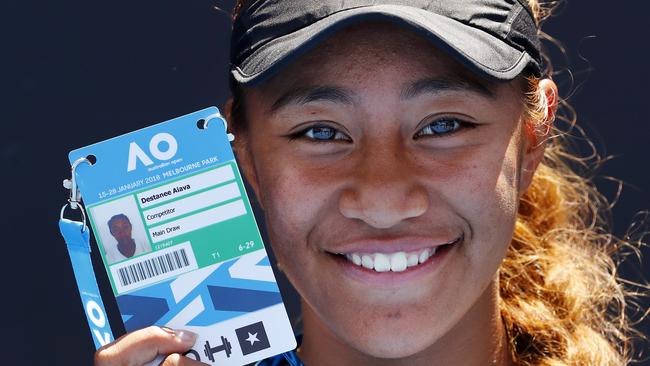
[{"x": 252, "y": 338}]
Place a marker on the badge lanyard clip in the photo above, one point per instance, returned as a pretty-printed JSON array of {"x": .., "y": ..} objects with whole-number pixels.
[
  {"x": 207, "y": 120},
  {"x": 77, "y": 239}
]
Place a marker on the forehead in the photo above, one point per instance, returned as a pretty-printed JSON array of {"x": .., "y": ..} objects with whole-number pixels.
[
  {"x": 119, "y": 220},
  {"x": 373, "y": 47}
]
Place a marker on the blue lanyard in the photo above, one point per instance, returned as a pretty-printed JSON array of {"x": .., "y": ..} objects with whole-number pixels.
[
  {"x": 76, "y": 236},
  {"x": 77, "y": 239}
]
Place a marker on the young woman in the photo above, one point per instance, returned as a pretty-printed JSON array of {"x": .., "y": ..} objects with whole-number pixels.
[{"x": 415, "y": 190}]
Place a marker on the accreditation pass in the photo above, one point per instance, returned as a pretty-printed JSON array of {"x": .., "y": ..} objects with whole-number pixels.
[{"x": 179, "y": 241}]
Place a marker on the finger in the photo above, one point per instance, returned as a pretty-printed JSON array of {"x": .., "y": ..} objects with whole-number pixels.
[
  {"x": 178, "y": 360},
  {"x": 142, "y": 346}
]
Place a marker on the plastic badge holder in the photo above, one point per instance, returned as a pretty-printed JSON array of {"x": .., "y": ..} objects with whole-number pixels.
[{"x": 179, "y": 240}]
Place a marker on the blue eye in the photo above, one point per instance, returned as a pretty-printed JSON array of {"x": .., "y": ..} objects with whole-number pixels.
[
  {"x": 321, "y": 133},
  {"x": 443, "y": 126}
]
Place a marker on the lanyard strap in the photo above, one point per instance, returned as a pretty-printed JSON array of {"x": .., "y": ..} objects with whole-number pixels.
[{"x": 76, "y": 236}]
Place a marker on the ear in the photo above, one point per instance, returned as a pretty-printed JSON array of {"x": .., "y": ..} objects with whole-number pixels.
[
  {"x": 241, "y": 147},
  {"x": 537, "y": 133}
]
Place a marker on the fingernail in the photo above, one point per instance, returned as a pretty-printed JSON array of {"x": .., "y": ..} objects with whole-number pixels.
[
  {"x": 168, "y": 330},
  {"x": 186, "y": 336}
]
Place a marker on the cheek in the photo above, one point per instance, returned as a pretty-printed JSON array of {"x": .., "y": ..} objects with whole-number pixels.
[
  {"x": 288, "y": 198},
  {"x": 292, "y": 209},
  {"x": 492, "y": 208},
  {"x": 292, "y": 200}
]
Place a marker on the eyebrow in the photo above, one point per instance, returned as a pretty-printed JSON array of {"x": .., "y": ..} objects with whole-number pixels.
[
  {"x": 312, "y": 94},
  {"x": 333, "y": 94},
  {"x": 435, "y": 86}
]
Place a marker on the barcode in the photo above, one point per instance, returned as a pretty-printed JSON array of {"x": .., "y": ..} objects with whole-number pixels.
[{"x": 153, "y": 267}]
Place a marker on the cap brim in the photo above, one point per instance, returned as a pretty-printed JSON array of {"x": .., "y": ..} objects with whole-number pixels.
[{"x": 481, "y": 52}]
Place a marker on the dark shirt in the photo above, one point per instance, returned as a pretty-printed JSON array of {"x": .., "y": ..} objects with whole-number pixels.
[{"x": 284, "y": 359}]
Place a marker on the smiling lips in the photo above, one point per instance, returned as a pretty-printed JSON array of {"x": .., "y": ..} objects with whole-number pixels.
[{"x": 396, "y": 261}]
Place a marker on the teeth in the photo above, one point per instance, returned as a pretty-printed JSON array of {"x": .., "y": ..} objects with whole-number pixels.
[
  {"x": 382, "y": 263},
  {"x": 367, "y": 261},
  {"x": 396, "y": 262},
  {"x": 412, "y": 260},
  {"x": 424, "y": 255}
]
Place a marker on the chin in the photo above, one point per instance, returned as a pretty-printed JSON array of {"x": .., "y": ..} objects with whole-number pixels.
[
  {"x": 393, "y": 345},
  {"x": 393, "y": 336}
]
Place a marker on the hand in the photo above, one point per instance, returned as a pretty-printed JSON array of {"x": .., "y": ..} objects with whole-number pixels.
[{"x": 141, "y": 347}]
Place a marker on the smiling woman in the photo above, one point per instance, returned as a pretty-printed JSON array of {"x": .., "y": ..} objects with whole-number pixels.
[{"x": 416, "y": 190}]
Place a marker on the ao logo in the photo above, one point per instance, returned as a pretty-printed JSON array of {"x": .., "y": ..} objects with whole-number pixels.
[
  {"x": 135, "y": 152},
  {"x": 98, "y": 319}
]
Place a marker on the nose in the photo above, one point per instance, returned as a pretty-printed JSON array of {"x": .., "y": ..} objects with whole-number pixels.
[{"x": 383, "y": 191}]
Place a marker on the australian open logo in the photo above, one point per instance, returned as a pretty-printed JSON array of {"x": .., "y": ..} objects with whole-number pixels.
[{"x": 162, "y": 147}]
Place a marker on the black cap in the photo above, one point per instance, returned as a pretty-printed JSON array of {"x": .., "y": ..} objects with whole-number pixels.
[{"x": 494, "y": 38}]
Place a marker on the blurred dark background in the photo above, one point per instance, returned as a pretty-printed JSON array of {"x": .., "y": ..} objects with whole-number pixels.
[{"x": 77, "y": 72}]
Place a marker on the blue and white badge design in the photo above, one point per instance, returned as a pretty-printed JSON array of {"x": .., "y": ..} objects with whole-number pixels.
[{"x": 179, "y": 240}]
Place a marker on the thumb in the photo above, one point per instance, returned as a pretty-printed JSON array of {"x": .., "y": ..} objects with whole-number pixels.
[{"x": 142, "y": 346}]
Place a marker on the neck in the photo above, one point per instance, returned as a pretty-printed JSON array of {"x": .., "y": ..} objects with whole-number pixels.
[
  {"x": 478, "y": 339},
  {"x": 126, "y": 247}
]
